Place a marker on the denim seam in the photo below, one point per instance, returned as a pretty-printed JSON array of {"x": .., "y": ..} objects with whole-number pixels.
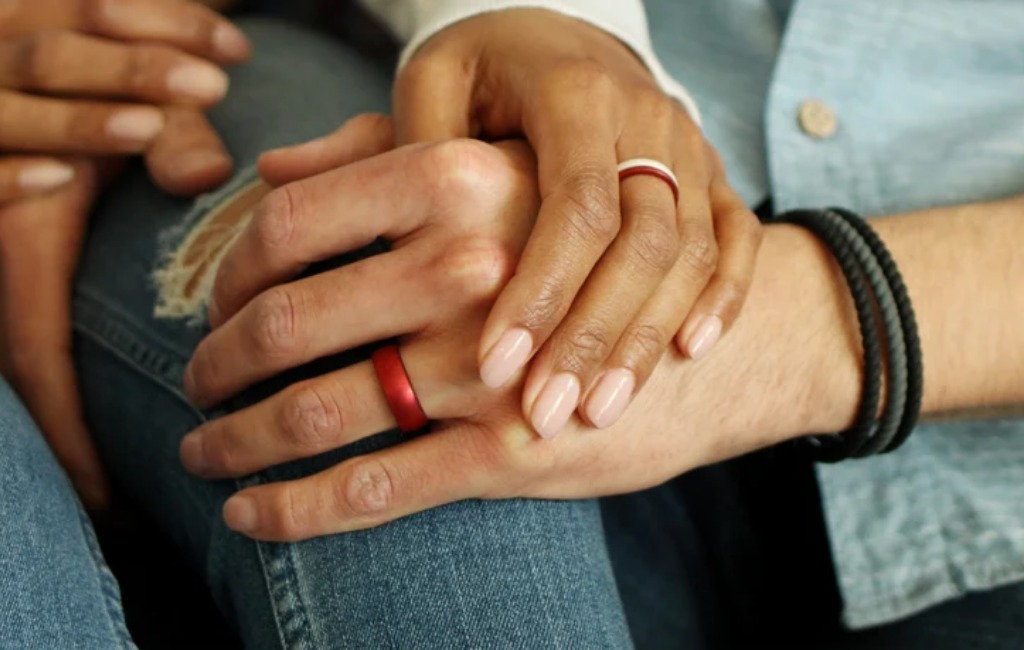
[
  {"x": 286, "y": 596},
  {"x": 154, "y": 374},
  {"x": 108, "y": 584},
  {"x": 536, "y": 582}
]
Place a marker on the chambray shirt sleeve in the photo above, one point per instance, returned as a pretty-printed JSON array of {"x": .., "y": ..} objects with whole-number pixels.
[{"x": 415, "y": 21}]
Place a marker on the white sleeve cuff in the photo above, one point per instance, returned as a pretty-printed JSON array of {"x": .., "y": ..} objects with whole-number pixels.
[{"x": 415, "y": 21}]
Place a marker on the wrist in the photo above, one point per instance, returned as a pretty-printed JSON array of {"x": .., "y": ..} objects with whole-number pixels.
[{"x": 791, "y": 365}]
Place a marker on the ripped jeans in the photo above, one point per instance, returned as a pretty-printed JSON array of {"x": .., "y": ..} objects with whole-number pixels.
[{"x": 729, "y": 556}]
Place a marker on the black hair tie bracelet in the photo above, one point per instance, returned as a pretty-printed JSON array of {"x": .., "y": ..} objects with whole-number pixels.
[{"x": 883, "y": 309}]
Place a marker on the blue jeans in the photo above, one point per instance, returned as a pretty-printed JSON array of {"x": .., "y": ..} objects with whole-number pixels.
[{"x": 729, "y": 556}]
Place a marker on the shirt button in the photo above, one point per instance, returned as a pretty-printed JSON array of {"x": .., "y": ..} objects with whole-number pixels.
[{"x": 817, "y": 119}]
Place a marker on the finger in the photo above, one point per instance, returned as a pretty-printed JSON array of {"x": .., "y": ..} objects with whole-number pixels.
[
  {"x": 23, "y": 176},
  {"x": 370, "y": 300},
  {"x": 579, "y": 218},
  {"x": 632, "y": 269},
  {"x": 35, "y": 236},
  {"x": 70, "y": 63},
  {"x": 432, "y": 100},
  {"x": 29, "y": 123},
  {"x": 381, "y": 196},
  {"x": 359, "y": 138},
  {"x": 188, "y": 26},
  {"x": 367, "y": 491},
  {"x": 188, "y": 157},
  {"x": 739, "y": 234}
]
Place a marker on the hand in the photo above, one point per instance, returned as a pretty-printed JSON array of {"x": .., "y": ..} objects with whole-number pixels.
[
  {"x": 90, "y": 78},
  {"x": 456, "y": 234},
  {"x": 40, "y": 239},
  {"x": 611, "y": 273},
  {"x": 67, "y": 67}
]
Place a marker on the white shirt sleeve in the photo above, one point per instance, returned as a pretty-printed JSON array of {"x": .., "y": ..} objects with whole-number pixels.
[{"x": 415, "y": 21}]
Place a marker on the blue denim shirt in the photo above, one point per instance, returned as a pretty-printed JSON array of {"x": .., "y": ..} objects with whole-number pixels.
[{"x": 929, "y": 102}]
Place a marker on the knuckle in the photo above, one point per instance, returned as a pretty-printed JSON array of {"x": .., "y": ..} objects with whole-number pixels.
[
  {"x": 700, "y": 254},
  {"x": 367, "y": 488},
  {"x": 655, "y": 242},
  {"x": 476, "y": 267},
  {"x": 275, "y": 220},
  {"x": 275, "y": 324},
  {"x": 311, "y": 418},
  {"x": 588, "y": 342},
  {"x": 547, "y": 307},
  {"x": 40, "y": 58},
  {"x": 654, "y": 107},
  {"x": 646, "y": 342},
  {"x": 219, "y": 452},
  {"x": 288, "y": 513},
  {"x": 461, "y": 168},
  {"x": 140, "y": 71},
  {"x": 592, "y": 212},
  {"x": 583, "y": 75}
]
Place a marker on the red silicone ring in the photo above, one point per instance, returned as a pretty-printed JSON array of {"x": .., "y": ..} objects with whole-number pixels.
[{"x": 398, "y": 390}]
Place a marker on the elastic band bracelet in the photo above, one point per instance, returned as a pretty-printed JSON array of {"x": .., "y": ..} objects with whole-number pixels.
[
  {"x": 896, "y": 385},
  {"x": 865, "y": 262},
  {"x": 912, "y": 340},
  {"x": 837, "y": 447}
]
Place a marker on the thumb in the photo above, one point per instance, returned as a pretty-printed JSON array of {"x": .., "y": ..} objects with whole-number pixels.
[
  {"x": 433, "y": 101},
  {"x": 39, "y": 244}
]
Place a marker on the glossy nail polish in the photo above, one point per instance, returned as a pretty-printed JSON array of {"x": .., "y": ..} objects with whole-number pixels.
[
  {"x": 507, "y": 357},
  {"x": 205, "y": 83},
  {"x": 610, "y": 396},
  {"x": 555, "y": 404},
  {"x": 704, "y": 337}
]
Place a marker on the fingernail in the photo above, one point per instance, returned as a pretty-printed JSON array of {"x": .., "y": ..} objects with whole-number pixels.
[
  {"x": 45, "y": 176},
  {"x": 205, "y": 83},
  {"x": 555, "y": 404},
  {"x": 135, "y": 124},
  {"x": 507, "y": 356},
  {"x": 192, "y": 456},
  {"x": 240, "y": 514},
  {"x": 610, "y": 397},
  {"x": 704, "y": 337},
  {"x": 230, "y": 42}
]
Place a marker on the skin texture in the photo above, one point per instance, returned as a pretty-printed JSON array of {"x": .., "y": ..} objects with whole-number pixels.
[
  {"x": 82, "y": 84},
  {"x": 585, "y": 103},
  {"x": 791, "y": 366}
]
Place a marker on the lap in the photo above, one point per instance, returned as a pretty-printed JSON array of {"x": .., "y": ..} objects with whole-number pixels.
[
  {"x": 512, "y": 573},
  {"x": 55, "y": 590}
]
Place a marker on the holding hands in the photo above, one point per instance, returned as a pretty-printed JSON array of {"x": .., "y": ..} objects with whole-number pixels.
[
  {"x": 82, "y": 84},
  {"x": 611, "y": 271}
]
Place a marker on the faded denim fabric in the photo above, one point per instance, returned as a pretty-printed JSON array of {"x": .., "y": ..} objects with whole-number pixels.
[
  {"x": 929, "y": 98},
  {"x": 55, "y": 588}
]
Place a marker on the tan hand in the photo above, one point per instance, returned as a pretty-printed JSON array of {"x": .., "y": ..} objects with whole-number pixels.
[{"x": 457, "y": 214}]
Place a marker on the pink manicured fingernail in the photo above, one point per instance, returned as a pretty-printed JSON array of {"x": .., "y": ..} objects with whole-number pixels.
[
  {"x": 240, "y": 514},
  {"x": 704, "y": 337},
  {"x": 610, "y": 397},
  {"x": 45, "y": 176},
  {"x": 135, "y": 124},
  {"x": 230, "y": 42},
  {"x": 555, "y": 404},
  {"x": 507, "y": 356},
  {"x": 191, "y": 452},
  {"x": 205, "y": 83}
]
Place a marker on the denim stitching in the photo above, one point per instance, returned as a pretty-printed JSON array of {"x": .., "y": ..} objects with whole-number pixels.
[{"x": 108, "y": 584}]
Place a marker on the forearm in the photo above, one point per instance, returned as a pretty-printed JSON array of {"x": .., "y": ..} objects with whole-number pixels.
[{"x": 792, "y": 364}]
